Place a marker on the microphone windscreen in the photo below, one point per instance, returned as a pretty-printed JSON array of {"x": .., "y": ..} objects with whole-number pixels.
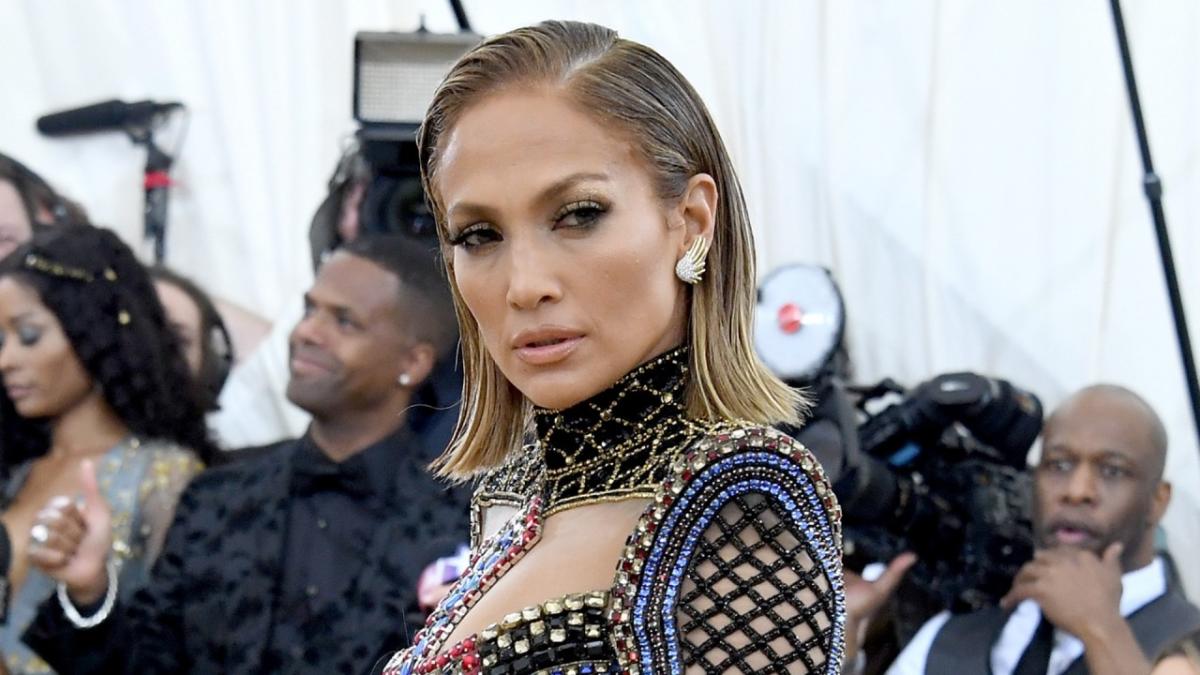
[{"x": 96, "y": 117}]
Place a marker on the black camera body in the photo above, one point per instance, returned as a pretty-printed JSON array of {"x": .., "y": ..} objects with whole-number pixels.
[{"x": 918, "y": 476}]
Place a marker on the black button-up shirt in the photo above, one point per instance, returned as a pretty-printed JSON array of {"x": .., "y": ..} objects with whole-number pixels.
[{"x": 336, "y": 510}]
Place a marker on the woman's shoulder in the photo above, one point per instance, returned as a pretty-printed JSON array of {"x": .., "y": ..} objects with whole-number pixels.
[
  {"x": 513, "y": 482},
  {"x": 739, "y": 497},
  {"x": 732, "y": 462},
  {"x": 512, "y": 485},
  {"x": 170, "y": 454},
  {"x": 753, "y": 448},
  {"x": 169, "y": 466}
]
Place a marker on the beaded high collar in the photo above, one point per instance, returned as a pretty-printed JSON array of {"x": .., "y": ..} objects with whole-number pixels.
[{"x": 618, "y": 443}]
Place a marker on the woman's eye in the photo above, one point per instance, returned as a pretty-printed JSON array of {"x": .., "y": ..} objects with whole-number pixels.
[
  {"x": 475, "y": 236},
  {"x": 29, "y": 336},
  {"x": 580, "y": 214}
]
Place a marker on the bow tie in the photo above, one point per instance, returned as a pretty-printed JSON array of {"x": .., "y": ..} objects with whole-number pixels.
[{"x": 311, "y": 475}]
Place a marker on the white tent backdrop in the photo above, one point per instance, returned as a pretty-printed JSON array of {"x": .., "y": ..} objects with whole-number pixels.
[{"x": 968, "y": 169}]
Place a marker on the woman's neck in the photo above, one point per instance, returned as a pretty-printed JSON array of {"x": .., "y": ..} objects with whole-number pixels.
[
  {"x": 90, "y": 428},
  {"x": 619, "y": 443}
]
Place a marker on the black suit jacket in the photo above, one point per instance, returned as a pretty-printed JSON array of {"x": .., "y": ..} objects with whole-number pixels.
[{"x": 210, "y": 602}]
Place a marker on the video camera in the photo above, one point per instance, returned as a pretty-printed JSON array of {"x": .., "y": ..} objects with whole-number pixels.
[
  {"x": 376, "y": 187},
  {"x": 939, "y": 470}
]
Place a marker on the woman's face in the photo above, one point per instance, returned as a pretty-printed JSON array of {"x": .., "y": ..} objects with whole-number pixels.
[
  {"x": 40, "y": 370},
  {"x": 184, "y": 317},
  {"x": 15, "y": 228},
  {"x": 562, "y": 250}
]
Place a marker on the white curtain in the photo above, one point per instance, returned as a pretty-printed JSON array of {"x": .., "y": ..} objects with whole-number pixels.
[{"x": 967, "y": 168}]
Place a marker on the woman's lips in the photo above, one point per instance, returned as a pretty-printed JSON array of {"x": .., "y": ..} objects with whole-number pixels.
[{"x": 548, "y": 351}]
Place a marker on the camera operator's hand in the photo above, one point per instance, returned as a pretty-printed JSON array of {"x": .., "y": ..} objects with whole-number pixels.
[
  {"x": 78, "y": 539},
  {"x": 864, "y": 598},
  {"x": 1074, "y": 588},
  {"x": 1080, "y": 593}
]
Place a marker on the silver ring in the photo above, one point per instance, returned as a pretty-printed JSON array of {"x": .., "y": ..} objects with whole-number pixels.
[{"x": 39, "y": 533}]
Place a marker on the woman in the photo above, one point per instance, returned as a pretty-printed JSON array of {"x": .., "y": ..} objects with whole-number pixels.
[
  {"x": 193, "y": 317},
  {"x": 602, "y": 266},
  {"x": 96, "y": 393},
  {"x": 28, "y": 202}
]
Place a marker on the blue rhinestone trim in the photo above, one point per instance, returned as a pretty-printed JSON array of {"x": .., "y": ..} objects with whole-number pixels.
[{"x": 821, "y": 534}]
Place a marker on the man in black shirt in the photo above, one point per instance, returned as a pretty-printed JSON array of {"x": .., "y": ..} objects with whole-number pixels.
[{"x": 305, "y": 557}]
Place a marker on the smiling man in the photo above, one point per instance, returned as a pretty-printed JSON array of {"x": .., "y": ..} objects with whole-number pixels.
[
  {"x": 1097, "y": 598},
  {"x": 305, "y": 557}
]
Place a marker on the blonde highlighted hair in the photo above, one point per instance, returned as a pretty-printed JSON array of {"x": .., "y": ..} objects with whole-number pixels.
[{"x": 638, "y": 92}]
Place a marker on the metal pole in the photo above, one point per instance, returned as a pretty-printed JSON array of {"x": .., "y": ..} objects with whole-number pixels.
[{"x": 1154, "y": 189}]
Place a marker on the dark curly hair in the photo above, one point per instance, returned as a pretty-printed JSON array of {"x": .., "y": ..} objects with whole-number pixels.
[
  {"x": 104, "y": 299},
  {"x": 216, "y": 345}
]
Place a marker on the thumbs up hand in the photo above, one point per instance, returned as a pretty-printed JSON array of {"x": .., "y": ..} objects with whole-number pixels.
[{"x": 71, "y": 539}]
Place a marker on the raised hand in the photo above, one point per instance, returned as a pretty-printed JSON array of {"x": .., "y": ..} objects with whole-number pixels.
[
  {"x": 864, "y": 598},
  {"x": 71, "y": 539},
  {"x": 1075, "y": 588}
]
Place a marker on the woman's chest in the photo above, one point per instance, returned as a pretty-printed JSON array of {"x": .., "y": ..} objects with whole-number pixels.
[
  {"x": 575, "y": 551},
  {"x": 537, "y": 593}
]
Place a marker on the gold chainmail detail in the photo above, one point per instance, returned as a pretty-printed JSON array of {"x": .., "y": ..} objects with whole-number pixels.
[{"x": 618, "y": 444}]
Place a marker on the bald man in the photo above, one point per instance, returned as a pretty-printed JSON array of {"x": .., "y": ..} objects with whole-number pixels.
[{"x": 1097, "y": 598}]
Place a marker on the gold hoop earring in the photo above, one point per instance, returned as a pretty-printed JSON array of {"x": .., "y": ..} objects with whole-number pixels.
[{"x": 691, "y": 266}]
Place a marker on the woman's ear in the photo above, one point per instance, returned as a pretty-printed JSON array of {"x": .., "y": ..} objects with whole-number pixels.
[{"x": 697, "y": 210}]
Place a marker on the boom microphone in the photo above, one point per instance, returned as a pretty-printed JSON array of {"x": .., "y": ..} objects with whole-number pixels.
[{"x": 105, "y": 116}]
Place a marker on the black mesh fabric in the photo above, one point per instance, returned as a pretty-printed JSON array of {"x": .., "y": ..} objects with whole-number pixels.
[{"x": 753, "y": 600}]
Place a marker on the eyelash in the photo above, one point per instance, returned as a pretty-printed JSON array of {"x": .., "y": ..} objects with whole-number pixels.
[
  {"x": 586, "y": 210},
  {"x": 593, "y": 208},
  {"x": 27, "y": 337},
  {"x": 465, "y": 236}
]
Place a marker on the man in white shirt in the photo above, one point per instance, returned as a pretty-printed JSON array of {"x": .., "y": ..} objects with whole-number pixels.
[{"x": 1096, "y": 598}]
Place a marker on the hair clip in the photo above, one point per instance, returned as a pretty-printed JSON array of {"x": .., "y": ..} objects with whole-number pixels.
[{"x": 37, "y": 263}]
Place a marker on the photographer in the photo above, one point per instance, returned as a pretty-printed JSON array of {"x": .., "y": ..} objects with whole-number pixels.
[{"x": 1096, "y": 598}]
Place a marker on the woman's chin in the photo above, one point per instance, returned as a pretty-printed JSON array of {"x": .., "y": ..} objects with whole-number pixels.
[
  {"x": 554, "y": 400},
  {"x": 558, "y": 391}
]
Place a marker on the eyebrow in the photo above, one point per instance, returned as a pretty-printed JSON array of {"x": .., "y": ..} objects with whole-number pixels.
[
  {"x": 1103, "y": 454},
  {"x": 546, "y": 194},
  {"x": 333, "y": 307}
]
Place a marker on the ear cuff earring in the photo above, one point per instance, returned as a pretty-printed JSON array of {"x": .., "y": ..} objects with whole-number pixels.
[{"x": 691, "y": 266}]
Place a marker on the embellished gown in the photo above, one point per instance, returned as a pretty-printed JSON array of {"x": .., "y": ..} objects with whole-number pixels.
[{"x": 733, "y": 566}]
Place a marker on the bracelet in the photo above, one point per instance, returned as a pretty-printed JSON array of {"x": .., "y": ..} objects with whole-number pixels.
[{"x": 110, "y": 599}]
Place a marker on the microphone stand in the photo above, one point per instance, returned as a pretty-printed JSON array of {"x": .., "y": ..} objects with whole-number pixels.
[
  {"x": 157, "y": 185},
  {"x": 1152, "y": 185}
]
